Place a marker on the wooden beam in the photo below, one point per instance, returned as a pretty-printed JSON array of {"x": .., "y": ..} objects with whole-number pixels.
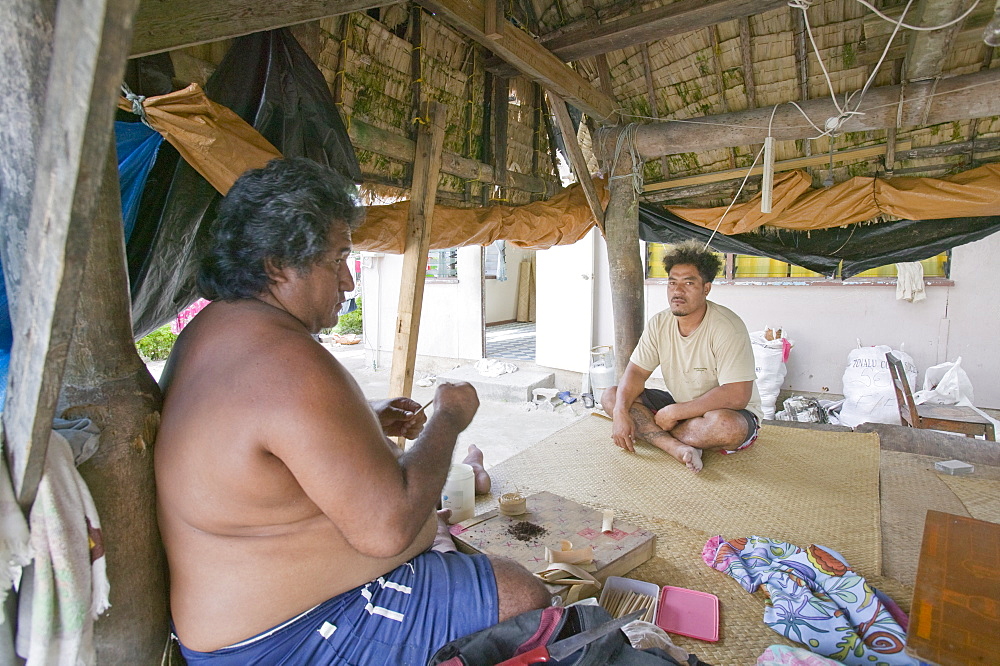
[
  {"x": 668, "y": 192},
  {"x": 673, "y": 19},
  {"x": 713, "y": 36},
  {"x": 520, "y": 50},
  {"x": 852, "y": 155},
  {"x": 165, "y": 25},
  {"x": 647, "y": 72},
  {"x": 801, "y": 63},
  {"x": 975, "y": 95},
  {"x": 426, "y": 168},
  {"x": 494, "y": 19},
  {"x": 747, "y": 51},
  {"x": 501, "y": 120},
  {"x": 625, "y": 265},
  {"x": 399, "y": 148},
  {"x": 89, "y": 47},
  {"x": 576, "y": 158}
]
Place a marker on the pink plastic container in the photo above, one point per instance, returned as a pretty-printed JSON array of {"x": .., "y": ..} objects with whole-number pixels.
[{"x": 688, "y": 613}]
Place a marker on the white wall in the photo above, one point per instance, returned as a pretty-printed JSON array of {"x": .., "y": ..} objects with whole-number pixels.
[
  {"x": 451, "y": 322},
  {"x": 501, "y": 297},
  {"x": 826, "y": 321}
]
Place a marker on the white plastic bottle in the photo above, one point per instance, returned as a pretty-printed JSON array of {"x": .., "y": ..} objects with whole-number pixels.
[{"x": 459, "y": 493}]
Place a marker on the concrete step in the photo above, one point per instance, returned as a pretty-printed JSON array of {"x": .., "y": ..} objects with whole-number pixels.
[{"x": 511, "y": 387}]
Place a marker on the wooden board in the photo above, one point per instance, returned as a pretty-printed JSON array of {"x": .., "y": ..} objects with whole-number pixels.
[
  {"x": 955, "y": 614},
  {"x": 615, "y": 554}
]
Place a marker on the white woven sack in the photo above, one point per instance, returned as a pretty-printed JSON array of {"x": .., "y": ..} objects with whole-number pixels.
[{"x": 868, "y": 393}]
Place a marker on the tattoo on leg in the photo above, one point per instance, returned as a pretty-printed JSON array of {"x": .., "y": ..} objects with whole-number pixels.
[{"x": 645, "y": 426}]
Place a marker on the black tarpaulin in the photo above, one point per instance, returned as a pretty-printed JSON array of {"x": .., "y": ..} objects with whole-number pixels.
[
  {"x": 269, "y": 81},
  {"x": 860, "y": 246}
]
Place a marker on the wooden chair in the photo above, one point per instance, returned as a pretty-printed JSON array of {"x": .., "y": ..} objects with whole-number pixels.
[{"x": 953, "y": 418}]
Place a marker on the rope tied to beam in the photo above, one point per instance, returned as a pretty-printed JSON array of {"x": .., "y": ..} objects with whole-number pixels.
[
  {"x": 627, "y": 141},
  {"x": 137, "y": 107}
]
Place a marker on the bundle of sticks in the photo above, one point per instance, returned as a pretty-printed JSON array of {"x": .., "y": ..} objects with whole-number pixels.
[{"x": 619, "y": 603}]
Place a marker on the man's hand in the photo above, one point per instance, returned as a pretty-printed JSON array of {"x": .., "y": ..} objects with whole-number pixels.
[
  {"x": 457, "y": 403},
  {"x": 398, "y": 417},
  {"x": 665, "y": 419},
  {"x": 623, "y": 431}
]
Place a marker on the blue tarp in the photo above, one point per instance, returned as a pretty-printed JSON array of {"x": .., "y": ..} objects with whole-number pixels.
[{"x": 137, "y": 146}]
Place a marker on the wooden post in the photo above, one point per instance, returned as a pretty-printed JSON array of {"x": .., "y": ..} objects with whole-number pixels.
[
  {"x": 576, "y": 158},
  {"x": 621, "y": 229},
  {"x": 426, "y": 168},
  {"x": 106, "y": 381},
  {"x": 90, "y": 41}
]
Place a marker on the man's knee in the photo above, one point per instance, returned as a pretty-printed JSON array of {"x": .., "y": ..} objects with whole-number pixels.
[
  {"x": 608, "y": 399},
  {"x": 518, "y": 591},
  {"x": 727, "y": 424}
]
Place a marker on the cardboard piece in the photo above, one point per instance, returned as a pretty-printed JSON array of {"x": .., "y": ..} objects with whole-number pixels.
[{"x": 615, "y": 553}]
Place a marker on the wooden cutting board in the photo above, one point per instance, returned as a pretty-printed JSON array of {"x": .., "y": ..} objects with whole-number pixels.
[{"x": 615, "y": 553}]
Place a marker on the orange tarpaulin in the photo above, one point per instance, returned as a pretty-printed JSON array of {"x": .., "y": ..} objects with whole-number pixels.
[
  {"x": 796, "y": 205},
  {"x": 215, "y": 141},
  {"x": 562, "y": 220}
]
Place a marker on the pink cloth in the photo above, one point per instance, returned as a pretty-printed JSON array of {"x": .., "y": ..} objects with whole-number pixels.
[{"x": 187, "y": 315}]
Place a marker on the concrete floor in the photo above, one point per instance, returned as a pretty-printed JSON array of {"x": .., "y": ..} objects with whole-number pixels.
[{"x": 500, "y": 429}]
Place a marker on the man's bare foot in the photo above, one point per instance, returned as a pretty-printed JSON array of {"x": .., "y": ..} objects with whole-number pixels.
[
  {"x": 475, "y": 461},
  {"x": 442, "y": 539},
  {"x": 691, "y": 457},
  {"x": 684, "y": 453}
]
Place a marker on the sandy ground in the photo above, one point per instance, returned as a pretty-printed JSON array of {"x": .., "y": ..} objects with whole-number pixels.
[{"x": 500, "y": 429}]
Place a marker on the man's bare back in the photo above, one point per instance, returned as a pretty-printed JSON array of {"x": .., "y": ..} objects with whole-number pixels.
[
  {"x": 241, "y": 382},
  {"x": 278, "y": 488}
]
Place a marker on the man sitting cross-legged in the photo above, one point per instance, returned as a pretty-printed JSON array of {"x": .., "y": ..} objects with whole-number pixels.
[{"x": 704, "y": 352}]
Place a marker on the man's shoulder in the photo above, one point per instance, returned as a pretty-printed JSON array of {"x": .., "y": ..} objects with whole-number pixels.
[{"x": 725, "y": 320}]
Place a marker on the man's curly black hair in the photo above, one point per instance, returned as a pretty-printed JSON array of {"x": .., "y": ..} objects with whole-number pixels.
[
  {"x": 696, "y": 254},
  {"x": 283, "y": 212}
]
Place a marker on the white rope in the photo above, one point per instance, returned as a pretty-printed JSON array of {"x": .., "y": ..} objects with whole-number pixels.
[
  {"x": 745, "y": 178},
  {"x": 917, "y": 27},
  {"x": 137, "y": 107},
  {"x": 627, "y": 140}
]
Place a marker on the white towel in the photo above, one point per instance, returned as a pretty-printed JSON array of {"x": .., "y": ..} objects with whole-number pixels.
[
  {"x": 15, "y": 550},
  {"x": 910, "y": 282},
  {"x": 66, "y": 587}
]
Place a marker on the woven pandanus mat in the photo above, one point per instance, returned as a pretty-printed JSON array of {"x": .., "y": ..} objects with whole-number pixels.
[
  {"x": 795, "y": 485},
  {"x": 979, "y": 492}
]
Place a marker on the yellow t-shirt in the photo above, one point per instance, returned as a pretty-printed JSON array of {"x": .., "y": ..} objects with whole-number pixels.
[{"x": 717, "y": 352}]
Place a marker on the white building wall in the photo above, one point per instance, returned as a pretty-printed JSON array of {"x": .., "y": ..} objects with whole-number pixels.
[
  {"x": 825, "y": 322},
  {"x": 451, "y": 322}
]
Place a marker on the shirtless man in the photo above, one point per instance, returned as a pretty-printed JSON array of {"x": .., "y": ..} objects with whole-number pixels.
[
  {"x": 703, "y": 350},
  {"x": 295, "y": 530}
]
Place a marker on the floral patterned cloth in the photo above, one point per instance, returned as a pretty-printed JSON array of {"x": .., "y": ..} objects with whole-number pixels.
[{"x": 814, "y": 598}]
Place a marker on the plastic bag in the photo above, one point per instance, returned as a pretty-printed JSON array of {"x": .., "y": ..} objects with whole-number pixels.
[
  {"x": 869, "y": 396},
  {"x": 770, "y": 352},
  {"x": 945, "y": 384}
]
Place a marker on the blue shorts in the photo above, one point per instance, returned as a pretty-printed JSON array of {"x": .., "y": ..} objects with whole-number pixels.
[{"x": 402, "y": 617}]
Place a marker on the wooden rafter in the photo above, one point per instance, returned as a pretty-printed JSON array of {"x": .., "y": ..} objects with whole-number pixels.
[
  {"x": 713, "y": 36},
  {"x": 673, "y": 19},
  {"x": 576, "y": 159},
  {"x": 534, "y": 61},
  {"x": 647, "y": 72},
  {"x": 165, "y": 25},
  {"x": 801, "y": 63}
]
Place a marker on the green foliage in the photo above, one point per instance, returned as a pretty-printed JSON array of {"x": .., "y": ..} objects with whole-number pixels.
[
  {"x": 157, "y": 345},
  {"x": 350, "y": 322}
]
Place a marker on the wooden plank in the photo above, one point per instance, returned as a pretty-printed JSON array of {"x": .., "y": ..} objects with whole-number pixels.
[
  {"x": 426, "y": 168},
  {"x": 673, "y": 19},
  {"x": 576, "y": 158},
  {"x": 89, "y": 47},
  {"x": 520, "y": 50},
  {"x": 852, "y": 155},
  {"x": 501, "y": 120},
  {"x": 953, "y": 617},
  {"x": 165, "y": 25},
  {"x": 494, "y": 19}
]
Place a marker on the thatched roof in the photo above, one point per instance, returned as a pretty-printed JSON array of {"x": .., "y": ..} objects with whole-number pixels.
[{"x": 711, "y": 57}]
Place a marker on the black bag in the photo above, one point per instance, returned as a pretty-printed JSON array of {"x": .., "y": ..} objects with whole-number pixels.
[{"x": 544, "y": 627}]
